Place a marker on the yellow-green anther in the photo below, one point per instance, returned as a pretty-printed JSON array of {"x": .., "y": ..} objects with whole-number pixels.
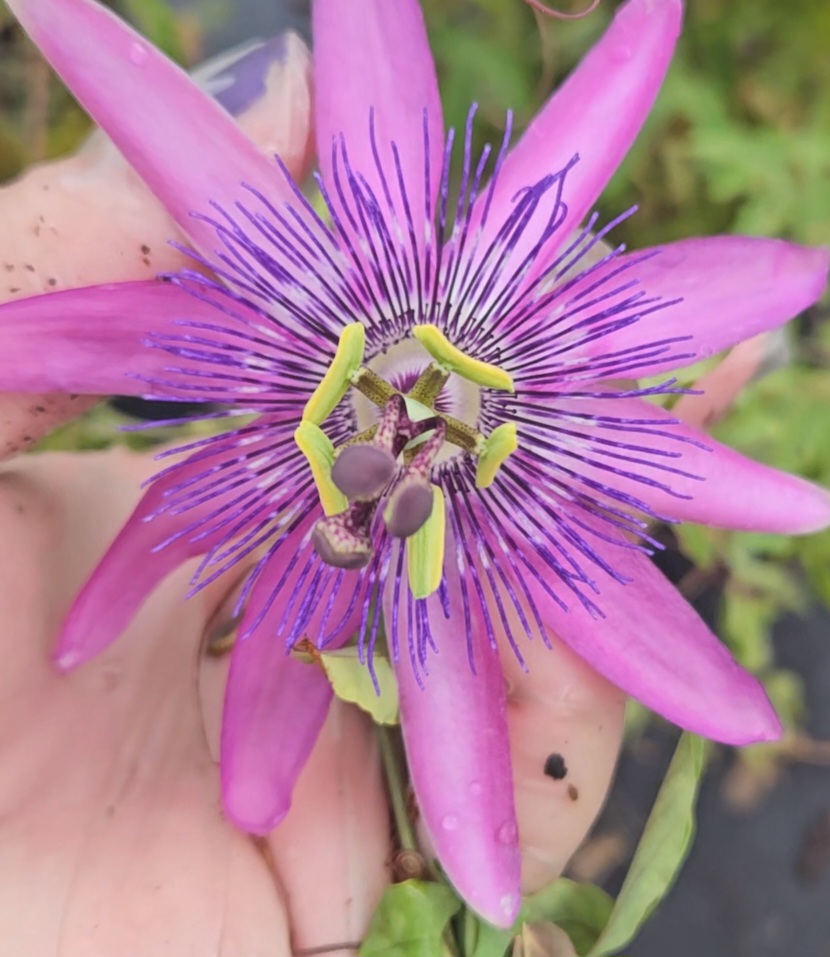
[
  {"x": 425, "y": 550},
  {"x": 498, "y": 445},
  {"x": 453, "y": 359},
  {"x": 335, "y": 383},
  {"x": 319, "y": 452}
]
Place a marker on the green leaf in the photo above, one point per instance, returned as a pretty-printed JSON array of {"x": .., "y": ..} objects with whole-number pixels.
[
  {"x": 661, "y": 851},
  {"x": 582, "y": 910},
  {"x": 352, "y": 681},
  {"x": 488, "y": 941},
  {"x": 411, "y": 921}
]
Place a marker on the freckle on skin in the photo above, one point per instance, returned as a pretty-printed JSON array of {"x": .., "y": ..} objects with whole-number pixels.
[
  {"x": 573, "y": 794},
  {"x": 555, "y": 767}
]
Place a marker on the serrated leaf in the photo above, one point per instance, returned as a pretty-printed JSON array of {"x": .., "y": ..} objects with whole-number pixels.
[
  {"x": 411, "y": 920},
  {"x": 351, "y": 680},
  {"x": 662, "y": 849}
]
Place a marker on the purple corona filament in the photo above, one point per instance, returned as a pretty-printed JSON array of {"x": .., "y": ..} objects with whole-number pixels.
[{"x": 560, "y": 490}]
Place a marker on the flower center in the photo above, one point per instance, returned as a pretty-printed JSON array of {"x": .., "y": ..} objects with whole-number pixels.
[{"x": 390, "y": 461}]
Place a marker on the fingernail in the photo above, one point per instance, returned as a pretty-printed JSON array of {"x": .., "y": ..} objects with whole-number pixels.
[{"x": 237, "y": 78}]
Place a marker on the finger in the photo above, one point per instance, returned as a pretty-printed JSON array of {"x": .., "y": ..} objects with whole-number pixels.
[
  {"x": 332, "y": 849},
  {"x": 88, "y": 219},
  {"x": 716, "y": 391},
  {"x": 565, "y": 724},
  {"x": 112, "y": 840}
]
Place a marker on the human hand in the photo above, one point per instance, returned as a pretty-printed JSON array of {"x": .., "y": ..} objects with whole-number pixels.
[{"x": 113, "y": 840}]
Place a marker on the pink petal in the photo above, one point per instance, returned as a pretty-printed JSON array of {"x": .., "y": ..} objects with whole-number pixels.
[
  {"x": 721, "y": 487},
  {"x": 457, "y": 747},
  {"x": 187, "y": 149},
  {"x": 372, "y": 57},
  {"x": 731, "y": 289},
  {"x": 597, "y": 113},
  {"x": 132, "y": 568},
  {"x": 654, "y": 646},
  {"x": 276, "y": 704},
  {"x": 94, "y": 341}
]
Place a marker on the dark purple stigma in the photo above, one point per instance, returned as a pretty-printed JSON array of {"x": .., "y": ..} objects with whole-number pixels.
[
  {"x": 344, "y": 541},
  {"x": 362, "y": 471},
  {"x": 409, "y": 508}
]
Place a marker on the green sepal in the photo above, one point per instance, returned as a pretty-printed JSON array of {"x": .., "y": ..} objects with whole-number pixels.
[
  {"x": 411, "y": 921},
  {"x": 351, "y": 681},
  {"x": 662, "y": 849}
]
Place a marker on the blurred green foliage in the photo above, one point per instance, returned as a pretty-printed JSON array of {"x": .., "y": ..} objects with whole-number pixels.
[{"x": 739, "y": 139}]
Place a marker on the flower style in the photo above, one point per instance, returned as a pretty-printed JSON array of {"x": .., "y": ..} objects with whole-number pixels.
[{"x": 441, "y": 441}]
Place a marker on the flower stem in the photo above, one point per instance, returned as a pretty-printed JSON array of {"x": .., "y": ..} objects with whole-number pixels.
[{"x": 395, "y": 785}]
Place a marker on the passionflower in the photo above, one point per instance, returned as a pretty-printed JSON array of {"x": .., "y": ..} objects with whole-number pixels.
[{"x": 442, "y": 445}]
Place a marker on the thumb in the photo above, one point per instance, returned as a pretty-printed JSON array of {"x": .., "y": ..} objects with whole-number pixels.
[{"x": 87, "y": 218}]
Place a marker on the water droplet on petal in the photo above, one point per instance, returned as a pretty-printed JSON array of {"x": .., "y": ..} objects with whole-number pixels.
[
  {"x": 509, "y": 904},
  {"x": 138, "y": 53},
  {"x": 449, "y": 822},
  {"x": 476, "y": 788},
  {"x": 621, "y": 53},
  {"x": 507, "y": 833}
]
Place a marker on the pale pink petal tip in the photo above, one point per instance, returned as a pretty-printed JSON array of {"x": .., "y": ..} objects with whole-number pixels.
[
  {"x": 252, "y": 805},
  {"x": 814, "y": 513},
  {"x": 655, "y": 647}
]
